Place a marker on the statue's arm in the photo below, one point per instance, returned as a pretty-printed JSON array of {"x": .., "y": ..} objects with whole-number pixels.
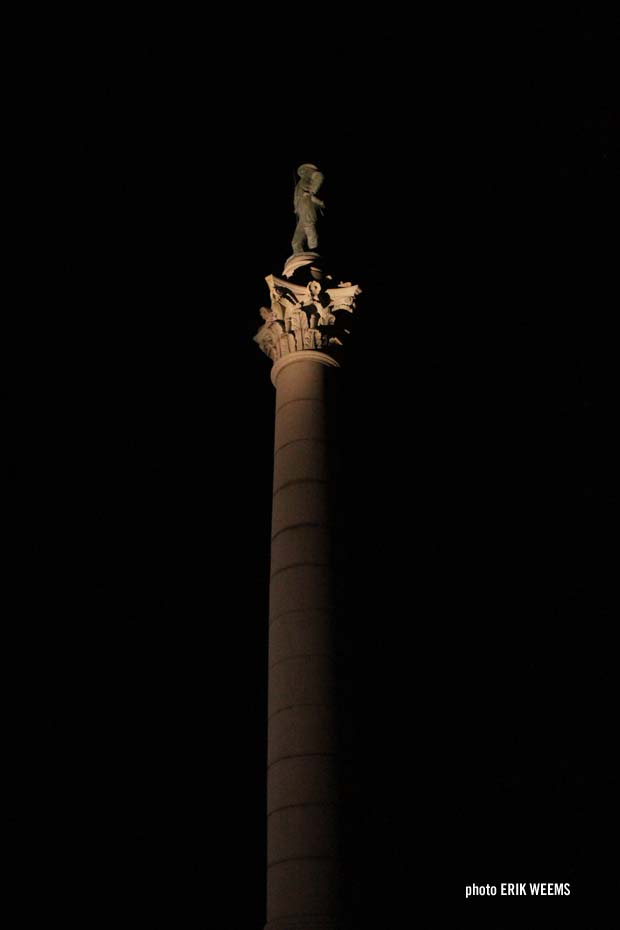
[{"x": 315, "y": 182}]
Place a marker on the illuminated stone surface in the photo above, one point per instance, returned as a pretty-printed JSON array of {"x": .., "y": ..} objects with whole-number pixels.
[
  {"x": 305, "y": 317},
  {"x": 303, "y": 828}
]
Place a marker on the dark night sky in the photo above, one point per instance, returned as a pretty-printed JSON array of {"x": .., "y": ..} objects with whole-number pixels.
[{"x": 470, "y": 182}]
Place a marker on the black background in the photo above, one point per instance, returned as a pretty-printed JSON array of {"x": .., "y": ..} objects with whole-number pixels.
[{"x": 471, "y": 175}]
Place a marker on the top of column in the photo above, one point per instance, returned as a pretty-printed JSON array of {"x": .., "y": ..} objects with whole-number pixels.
[{"x": 310, "y": 309}]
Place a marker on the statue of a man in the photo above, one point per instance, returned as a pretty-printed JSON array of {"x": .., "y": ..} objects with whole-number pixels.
[{"x": 307, "y": 208}]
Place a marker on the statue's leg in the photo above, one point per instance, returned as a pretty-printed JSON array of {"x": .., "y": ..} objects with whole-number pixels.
[
  {"x": 299, "y": 238},
  {"x": 311, "y": 236}
]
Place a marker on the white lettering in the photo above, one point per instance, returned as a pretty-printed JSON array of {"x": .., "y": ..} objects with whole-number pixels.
[
  {"x": 510, "y": 888},
  {"x": 542, "y": 889},
  {"x": 480, "y": 890}
]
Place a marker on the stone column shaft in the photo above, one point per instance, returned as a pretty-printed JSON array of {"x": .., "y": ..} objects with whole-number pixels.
[{"x": 303, "y": 883}]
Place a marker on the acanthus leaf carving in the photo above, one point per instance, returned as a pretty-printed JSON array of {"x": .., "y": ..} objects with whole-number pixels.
[{"x": 304, "y": 317}]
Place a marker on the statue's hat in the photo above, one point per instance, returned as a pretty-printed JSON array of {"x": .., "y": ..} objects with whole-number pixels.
[{"x": 303, "y": 169}]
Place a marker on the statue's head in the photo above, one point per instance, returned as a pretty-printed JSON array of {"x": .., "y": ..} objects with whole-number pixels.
[{"x": 305, "y": 170}]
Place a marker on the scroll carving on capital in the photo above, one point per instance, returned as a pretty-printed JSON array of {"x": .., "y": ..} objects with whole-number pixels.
[{"x": 303, "y": 317}]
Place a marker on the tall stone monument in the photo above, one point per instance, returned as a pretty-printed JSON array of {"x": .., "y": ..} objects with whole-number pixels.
[{"x": 304, "y": 332}]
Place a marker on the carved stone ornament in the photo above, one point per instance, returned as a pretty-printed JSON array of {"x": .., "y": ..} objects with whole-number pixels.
[{"x": 304, "y": 316}]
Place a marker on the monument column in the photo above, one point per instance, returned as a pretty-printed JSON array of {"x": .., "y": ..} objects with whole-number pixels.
[
  {"x": 303, "y": 880},
  {"x": 302, "y": 335}
]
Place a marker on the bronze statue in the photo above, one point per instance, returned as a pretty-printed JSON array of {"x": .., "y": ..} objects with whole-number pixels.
[{"x": 307, "y": 208}]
